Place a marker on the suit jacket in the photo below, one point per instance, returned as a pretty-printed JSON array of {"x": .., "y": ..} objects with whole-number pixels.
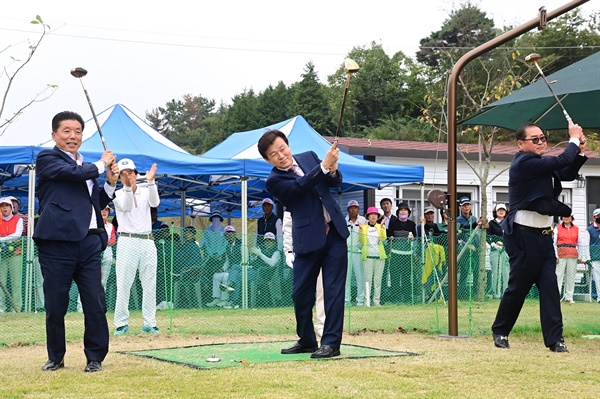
[
  {"x": 534, "y": 183},
  {"x": 305, "y": 197},
  {"x": 65, "y": 202}
]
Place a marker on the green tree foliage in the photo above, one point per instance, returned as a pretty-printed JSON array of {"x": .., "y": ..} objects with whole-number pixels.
[
  {"x": 565, "y": 40},
  {"x": 309, "y": 99},
  {"x": 379, "y": 89},
  {"x": 187, "y": 122},
  {"x": 273, "y": 105},
  {"x": 243, "y": 113},
  {"x": 465, "y": 28}
]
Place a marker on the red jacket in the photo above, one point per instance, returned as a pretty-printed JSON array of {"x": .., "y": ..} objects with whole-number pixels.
[{"x": 566, "y": 241}]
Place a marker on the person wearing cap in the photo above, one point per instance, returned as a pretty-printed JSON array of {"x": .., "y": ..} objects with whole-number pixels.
[
  {"x": 466, "y": 220},
  {"x": 498, "y": 256},
  {"x": 372, "y": 236},
  {"x": 267, "y": 262},
  {"x": 428, "y": 224},
  {"x": 593, "y": 231},
  {"x": 355, "y": 266},
  {"x": 11, "y": 230},
  {"x": 403, "y": 274},
  {"x": 70, "y": 238},
  {"x": 468, "y": 266},
  {"x": 212, "y": 248},
  {"x": 533, "y": 190},
  {"x": 136, "y": 251},
  {"x": 569, "y": 245},
  {"x": 269, "y": 222},
  {"x": 302, "y": 183}
]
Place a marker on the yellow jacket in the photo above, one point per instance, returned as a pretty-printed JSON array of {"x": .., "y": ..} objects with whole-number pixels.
[{"x": 364, "y": 240}]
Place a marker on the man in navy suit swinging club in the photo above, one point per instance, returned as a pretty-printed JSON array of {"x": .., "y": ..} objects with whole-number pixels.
[
  {"x": 301, "y": 182},
  {"x": 533, "y": 190},
  {"x": 70, "y": 237}
]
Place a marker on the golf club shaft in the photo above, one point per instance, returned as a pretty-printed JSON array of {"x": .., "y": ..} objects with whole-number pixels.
[
  {"x": 339, "y": 125},
  {"x": 94, "y": 115},
  {"x": 552, "y": 91}
]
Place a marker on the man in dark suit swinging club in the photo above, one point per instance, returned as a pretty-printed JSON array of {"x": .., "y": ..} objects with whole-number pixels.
[
  {"x": 533, "y": 190},
  {"x": 70, "y": 237},
  {"x": 301, "y": 182}
]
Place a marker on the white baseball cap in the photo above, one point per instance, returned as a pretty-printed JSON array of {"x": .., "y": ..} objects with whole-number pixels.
[
  {"x": 126, "y": 163},
  {"x": 268, "y": 201},
  {"x": 269, "y": 236},
  {"x": 501, "y": 206},
  {"x": 352, "y": 203}
]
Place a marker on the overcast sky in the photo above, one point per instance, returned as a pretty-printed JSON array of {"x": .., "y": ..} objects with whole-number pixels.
[{"x": 144, "y": 54}]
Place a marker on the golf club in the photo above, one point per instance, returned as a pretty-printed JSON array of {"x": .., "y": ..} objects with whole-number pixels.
[
  {"x": 350, "y": 66},
  {"x": 79, "y": 73},
  {"x": 534, "y": 58}
]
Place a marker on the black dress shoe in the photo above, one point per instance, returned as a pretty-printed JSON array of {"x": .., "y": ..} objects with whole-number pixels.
[
  {"x": 501, "y": 341},
  {"x": 297, "y": 348},
  {"x": 325, "y": 351},
  {"x": 559, "y": 347},
  {"x": 53, "y": 366},
  {"x": 93, "y": 365}
]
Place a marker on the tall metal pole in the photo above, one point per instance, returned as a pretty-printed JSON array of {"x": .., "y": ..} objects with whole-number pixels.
[{"x": 452, "y": 139}]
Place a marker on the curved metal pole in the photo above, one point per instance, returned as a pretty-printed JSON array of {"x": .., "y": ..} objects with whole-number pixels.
[{"x": 452, "y": 88}]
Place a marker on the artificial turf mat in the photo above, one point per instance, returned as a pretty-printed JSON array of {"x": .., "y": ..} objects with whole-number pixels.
[{"x": 242, "y": 354}]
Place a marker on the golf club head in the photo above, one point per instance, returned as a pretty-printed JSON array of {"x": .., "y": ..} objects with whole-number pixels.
[
  {"x": 533, "y": 57},
  {"x": 437, "y": 198},
  {"x": 78, "y": 72},
  {"x": 350, "y": 66}
]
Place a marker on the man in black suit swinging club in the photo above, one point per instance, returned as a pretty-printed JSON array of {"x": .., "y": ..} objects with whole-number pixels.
[
  {"x": 70, "y": 237},
  {"x": 533, "y": 190},
  {"x": 302, "y": 182}
]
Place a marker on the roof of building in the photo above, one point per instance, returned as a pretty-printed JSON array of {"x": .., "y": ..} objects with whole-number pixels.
[{"x": 418, "y": 149}]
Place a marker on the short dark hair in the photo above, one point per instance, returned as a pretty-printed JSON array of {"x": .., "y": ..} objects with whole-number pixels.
[
  {"x": 521, "y": 132},
  {"x": 267, "y": 139},
  {"x": 384, "y": 200},
  {"x": 66, "y": 116}
]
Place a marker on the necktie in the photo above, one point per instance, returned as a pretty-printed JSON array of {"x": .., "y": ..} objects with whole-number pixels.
[{"x": 296, "y": 171}]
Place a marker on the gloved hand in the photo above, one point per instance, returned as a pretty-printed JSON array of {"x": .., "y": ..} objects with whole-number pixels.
[
  {"x": 289, "y": 259},
  {"x": 256, "y": 251}
]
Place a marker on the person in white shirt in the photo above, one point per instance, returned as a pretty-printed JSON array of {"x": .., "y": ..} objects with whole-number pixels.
[
  {"x": 135, "y": 250},
  {"x": 355, "y": 266}
]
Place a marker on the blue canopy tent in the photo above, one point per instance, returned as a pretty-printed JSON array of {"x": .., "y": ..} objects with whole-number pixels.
[
  {"x": 181, "y": 173},
  {"x": 359, "y": 174}
]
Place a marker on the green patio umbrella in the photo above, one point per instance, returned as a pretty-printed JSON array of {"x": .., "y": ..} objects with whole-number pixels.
[{"x": 577, "y": 86}]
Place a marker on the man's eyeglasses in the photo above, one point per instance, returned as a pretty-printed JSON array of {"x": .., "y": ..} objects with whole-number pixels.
[{"x": 536, "y": 140}]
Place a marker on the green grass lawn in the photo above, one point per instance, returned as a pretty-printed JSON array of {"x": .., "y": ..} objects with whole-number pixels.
[{"x": 474, "y": 319}]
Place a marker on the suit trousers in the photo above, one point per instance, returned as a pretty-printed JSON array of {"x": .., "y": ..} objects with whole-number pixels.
[
  {"x": 63, "y": 262},
  {"x": 532, "y": 261},
  {"x": 332, "y": 260}
]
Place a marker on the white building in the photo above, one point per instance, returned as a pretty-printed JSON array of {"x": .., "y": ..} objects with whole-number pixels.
[{"x": 433, "y": 156}]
